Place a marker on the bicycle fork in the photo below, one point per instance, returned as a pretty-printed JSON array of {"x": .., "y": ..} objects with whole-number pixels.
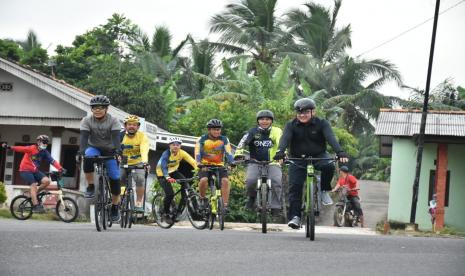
[
  {"x": 268, "y": 189},
  {"x": 310, "y": 175}
]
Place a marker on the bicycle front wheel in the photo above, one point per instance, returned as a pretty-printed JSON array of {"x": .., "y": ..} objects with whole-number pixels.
[
  {"x": 311, "y": 200},
  {"x": 99, "y": 210},
  {"x": 197, "y": 219},
  {"x": 263, "y": 207},
  {"x": 221, "y": 213},
  {"x": 21, "y": 207},
  {"x": 130, "y": 210},
  {"x": 124, "y": 207},
  {"x": 67, "y": 209},
  {"x": 157, "y": 211}
]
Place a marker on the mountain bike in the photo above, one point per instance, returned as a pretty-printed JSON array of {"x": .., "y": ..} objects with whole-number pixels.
[
  {"x": 263, "y": 199},
  {"x": 66, "y": 208},
  {"x": 127, "y": 199},
  {"x": 185, "y": 199},
  {"x": 215, "y": 209},
  {"x": 312, "y": 193},
  {"x": 102, "y": 208}
]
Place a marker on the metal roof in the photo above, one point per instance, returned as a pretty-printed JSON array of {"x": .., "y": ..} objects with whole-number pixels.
[{"x": 407, "y": 123}]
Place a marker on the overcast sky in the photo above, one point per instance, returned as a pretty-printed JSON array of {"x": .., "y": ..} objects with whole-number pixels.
[{"x": 373, "y": 22}]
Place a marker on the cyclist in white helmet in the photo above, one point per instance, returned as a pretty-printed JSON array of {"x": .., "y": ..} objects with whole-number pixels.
[{"x": 167, "y": 171}]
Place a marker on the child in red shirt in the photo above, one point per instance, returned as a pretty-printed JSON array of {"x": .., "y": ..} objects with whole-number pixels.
[
  {"x": 350, "y": 181},
  {"x": 29, "y": 167}
]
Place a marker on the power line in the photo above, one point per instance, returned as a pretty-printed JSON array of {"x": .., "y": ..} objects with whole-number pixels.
[{"x": 409, "y": 30}]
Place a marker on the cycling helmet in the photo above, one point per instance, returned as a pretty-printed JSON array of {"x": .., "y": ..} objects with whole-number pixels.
[
  {"x": 214, "y": 123},
  {"x": 174, "y": 140},
  {"x": 100, "y": 100},
  {"x": 344, "y": 169},
  {"x": 265, "y": 114},
  {"x": 304, "y": 104},
  {"x": 132, "y": 119},
  {"x": 43, "y": 138}
]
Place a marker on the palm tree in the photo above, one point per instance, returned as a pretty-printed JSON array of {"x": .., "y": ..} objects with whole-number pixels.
[{"x": 250, "y": 29}]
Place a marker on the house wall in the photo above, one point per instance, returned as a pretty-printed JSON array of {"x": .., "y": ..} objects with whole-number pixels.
[
  {"x": 404, "y": 154},
  {"x": 26, "y": 100}
]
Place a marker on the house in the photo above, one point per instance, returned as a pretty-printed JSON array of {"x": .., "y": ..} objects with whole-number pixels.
[
  {"x": 442, "y": 170},
  {"x": 32, "y": 103}
]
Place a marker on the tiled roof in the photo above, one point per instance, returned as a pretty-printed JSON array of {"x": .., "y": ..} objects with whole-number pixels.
[{"x": 407, "y": 123}]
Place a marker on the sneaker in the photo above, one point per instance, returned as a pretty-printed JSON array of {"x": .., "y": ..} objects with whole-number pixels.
[
  {"x": 39, "y": 209},
  {"x": 167, "y": 218},
  {"x": 90, "y": 191},
  {"x": 251, "y": 204},
  {"x": 294, "y": 223},
  {"x": 325, "y": 198},
  {"x": 114, "y": 213}
]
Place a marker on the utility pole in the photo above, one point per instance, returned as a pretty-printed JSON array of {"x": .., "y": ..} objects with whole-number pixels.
[{"x": 421, "y": 136}]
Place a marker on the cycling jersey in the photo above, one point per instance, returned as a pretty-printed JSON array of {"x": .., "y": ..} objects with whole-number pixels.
[
  {"x": 32, "y": 157},
  {"x": 169, "y": 162},
  {"x": 262, "y": 144},
  {"x": 136, "y": 148},
  {"x": 213, "y": 152}
]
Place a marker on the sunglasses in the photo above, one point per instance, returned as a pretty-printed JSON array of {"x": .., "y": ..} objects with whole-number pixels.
[
  {"x": 99, "y": 107},
  {"x": 304, "y": 112}
]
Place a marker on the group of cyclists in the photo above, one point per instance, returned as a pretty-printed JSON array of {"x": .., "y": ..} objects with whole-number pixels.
[{"x": 100, "y": 134}]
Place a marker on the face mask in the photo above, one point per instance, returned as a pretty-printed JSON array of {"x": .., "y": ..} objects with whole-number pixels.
[{"x": 42, "y": 147}]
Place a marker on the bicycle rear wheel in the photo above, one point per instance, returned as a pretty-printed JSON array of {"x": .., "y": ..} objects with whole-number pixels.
[
  {"x": 197, "y": 219},
  {"x": 263, "y": 207},
  {"x": 221, "y": 213},
  {"x": 21, "y": 207},
  {"x": 157, "y": 211},
  {"x": 338, "y": 216},
  {"x": 67, "y": 210}
]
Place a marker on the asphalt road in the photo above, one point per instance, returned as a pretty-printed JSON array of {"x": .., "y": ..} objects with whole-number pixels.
[{"x": 56, "y": 248}]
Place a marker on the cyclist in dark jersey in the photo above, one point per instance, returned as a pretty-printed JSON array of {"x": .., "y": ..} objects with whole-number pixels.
[{"x": 262, "y": 142}]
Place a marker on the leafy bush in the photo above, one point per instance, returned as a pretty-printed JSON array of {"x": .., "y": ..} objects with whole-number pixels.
[{"x": 2, "y": 193}]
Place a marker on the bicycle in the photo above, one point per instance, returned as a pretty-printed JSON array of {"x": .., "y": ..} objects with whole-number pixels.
[
  {"x": 312, "y": 195},
  {"x": 127, "y": 199},
  {"x": 263, "y": 199},
  {"x": 66, "y": 208},
  {"x": 102, "y": 209},
  {"x": 215, "y": 208},
  {"x": 189, "y": 200}
]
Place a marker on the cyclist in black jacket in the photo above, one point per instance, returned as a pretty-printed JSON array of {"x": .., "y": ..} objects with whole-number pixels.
[{"x": 307, "y": 135}]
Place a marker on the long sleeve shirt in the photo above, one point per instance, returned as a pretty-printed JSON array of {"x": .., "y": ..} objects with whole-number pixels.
[{"x": 32, "y": 158}]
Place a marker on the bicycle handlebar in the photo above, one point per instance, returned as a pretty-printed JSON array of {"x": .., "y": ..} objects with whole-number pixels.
[
  {"x": 184, "y": 180},
  {"x": 254, "y": 161},
  {"x": 131, "y": 167},
  {"x": 99, "y": 159}
]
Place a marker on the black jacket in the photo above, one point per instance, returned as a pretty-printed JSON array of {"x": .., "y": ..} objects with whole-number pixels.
[{"x": 308, "y": 139}]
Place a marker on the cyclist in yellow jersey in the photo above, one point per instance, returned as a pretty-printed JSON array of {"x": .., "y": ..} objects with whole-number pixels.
[
  {"x": 167, "y": 171},
  {"x": 135, "y": 146},
  {"x": 211, "y": 149}
]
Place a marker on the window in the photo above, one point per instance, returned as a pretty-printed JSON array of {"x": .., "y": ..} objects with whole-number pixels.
[{"x": 432, "y": 186}]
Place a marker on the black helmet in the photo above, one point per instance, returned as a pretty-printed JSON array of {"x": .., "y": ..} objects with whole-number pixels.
[
  {"x": 214, "y": 123},
  {"x": 304, "y": 104},
  {"x": 344, "y": 169},
  {"x": 265, "y": 114},
  {"x": 43, "y": 138},
  {"x": 100, "y": 100}
]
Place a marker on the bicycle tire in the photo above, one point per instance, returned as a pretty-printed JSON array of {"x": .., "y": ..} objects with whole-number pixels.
[
  {"x": 311, "y": 212},
  {"x": 21, "y": 207},
  {"x": 99, "y": 210},
  {"x": 211, "y": 218},
  {"x": 338, "y": 216},
  {"x": 130, "y": 211},
  {"x": 157, "y": 211},
  {"x": 263, "y": 205},
  {"x": 220, "y": 211},
  {"x": 123, "y": 204},
  {"x": 196, "y": 218},
  {"x": 67, "y": 210}
]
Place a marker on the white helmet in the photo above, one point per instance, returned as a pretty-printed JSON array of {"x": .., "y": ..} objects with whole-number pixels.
[{"x": 174, "y": 140}]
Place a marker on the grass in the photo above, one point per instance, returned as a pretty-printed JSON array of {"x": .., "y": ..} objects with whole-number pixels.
[{"x": 398, "y": 228}]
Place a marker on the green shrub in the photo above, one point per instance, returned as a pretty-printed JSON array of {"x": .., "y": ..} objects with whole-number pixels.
[{"x": 2, "y": 193}]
